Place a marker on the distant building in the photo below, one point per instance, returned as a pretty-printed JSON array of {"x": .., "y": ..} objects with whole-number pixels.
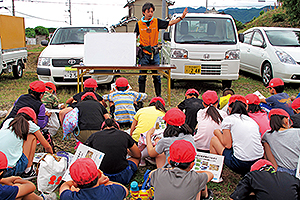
[{"x": 127, "y": 23}]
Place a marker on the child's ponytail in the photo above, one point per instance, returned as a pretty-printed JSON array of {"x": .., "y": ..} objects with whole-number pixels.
[
  {"x": 214, "y": 114},
  {"x": 20, "y": 126}
]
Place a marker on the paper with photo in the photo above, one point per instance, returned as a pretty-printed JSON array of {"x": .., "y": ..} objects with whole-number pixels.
[
  {"x": 209, "y": 162},
  {"x": 260, "y": 96},
  {"x": 84, "y": 151}
]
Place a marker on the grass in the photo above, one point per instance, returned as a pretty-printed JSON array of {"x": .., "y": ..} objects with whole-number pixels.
[{"x": 12, "y": 88}]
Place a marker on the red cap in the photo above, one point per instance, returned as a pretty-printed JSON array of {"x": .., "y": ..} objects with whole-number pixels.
[
  {"x": 235, "y": 98},
  {"x": 278, "y": 111},
  {"x": 191, "y": 91},
  {"x": 174, "y": 117},
  {"x": 3, "y": 161},
  {"x": 259, "y": 164},
  {"x": 29, "y": 111},
  {"x": 155, "y": 99},
  {"x": 121, "y": 82},
  {"x": 89, "y": 94},
  {"x": 252, "y": 99},
  {"x": 90, "y": 83},
  {"x": 50, "y": 85},
  {"x": 182, "y": 151},
  {"x": 37, "y": 86},
  {"x": 83, "y": 171},
  {"x": 296, "y": 103},
  {"x": 210, "y": 97},
  {"x": 275, "y": 82}
]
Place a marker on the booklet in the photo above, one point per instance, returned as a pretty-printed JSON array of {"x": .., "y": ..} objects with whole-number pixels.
[
  {"x": 209, "y": 162},
  {"x": 84, "y": 151},
  {"x": 260, "y": 96}
]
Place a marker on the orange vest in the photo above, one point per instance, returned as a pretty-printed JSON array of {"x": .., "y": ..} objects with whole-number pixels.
[{"x": 148, "y": 35}]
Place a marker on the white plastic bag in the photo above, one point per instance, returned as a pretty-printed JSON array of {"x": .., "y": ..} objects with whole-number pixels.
[
  {"x": 51, "y": 169},
  {"x": 53, "y": 124}
]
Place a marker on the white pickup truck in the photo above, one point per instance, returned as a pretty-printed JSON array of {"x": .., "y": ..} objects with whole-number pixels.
[
  {"x": 13, "y": 54},
  {"x": 203, "y": 47}
]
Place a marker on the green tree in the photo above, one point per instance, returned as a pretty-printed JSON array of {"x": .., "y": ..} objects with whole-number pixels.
[
  {"x": 30, "y": 33},
  {"x": 239, "y": 25},
  {"x": 293, "y": 11},
  {"x": 40, "y": 30},
  {"x": 261, "y": 12},
  {"x": 51, "y": 30},
  {"x": 278, "y": 17}
]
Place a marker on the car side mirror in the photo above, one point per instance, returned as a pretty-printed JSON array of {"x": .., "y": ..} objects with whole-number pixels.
[
  {"x": 167, "y": 36},
  {"x": 44, "y": 42},
  {"x": 241, "y": 37}
]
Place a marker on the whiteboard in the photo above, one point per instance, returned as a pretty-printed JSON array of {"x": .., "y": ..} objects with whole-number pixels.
[{"x": 109, "y": 49}]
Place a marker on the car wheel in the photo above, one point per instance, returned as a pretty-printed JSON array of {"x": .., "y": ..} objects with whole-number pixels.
[
  {"x": 18, "y": 70},
  {"x": 267, "y": 74},
  {"x": 226, "y": 84}
]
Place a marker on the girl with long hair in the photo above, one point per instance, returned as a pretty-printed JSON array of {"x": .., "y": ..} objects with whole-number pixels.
[{"x": 239, "y": 141}]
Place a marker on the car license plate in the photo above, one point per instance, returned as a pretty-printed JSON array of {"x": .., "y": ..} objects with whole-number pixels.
[
  {"x": 192, "y": 69},
  {"x": 70, "y": 74}
]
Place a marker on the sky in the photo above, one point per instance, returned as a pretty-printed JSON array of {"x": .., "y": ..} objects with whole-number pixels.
[{"x": 54, "y": 13}]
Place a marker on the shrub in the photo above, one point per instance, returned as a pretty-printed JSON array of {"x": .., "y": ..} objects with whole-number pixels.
[
  {"x": 30, "y": 33},
  {"x": 40, "y": 30},
  {"x": 278, "y": 17},
  {"x": 261, "y": 12}
]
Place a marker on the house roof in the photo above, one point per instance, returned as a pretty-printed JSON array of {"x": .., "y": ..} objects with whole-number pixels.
[{"x": 169, "y": 2}]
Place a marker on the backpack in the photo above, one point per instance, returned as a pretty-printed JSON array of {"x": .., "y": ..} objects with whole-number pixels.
[
  {"x": 70, "y": 122},
  {"x": 50, "y": 170}
]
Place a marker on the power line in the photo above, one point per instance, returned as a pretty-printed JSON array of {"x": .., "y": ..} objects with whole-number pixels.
[
  {"x": 79, "y": 3},
  {"x": 40, "y": 17}
]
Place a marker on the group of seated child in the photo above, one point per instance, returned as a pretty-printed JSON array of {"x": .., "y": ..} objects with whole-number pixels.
[{"x": 234, "y": 126}]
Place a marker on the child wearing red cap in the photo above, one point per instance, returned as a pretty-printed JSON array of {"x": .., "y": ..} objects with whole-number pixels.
[
  {"x": 144, "y": 120},
  {"x": 266, "y": 183},
  {"x": 90, "y": 183},
  {"x": 279, "y": 99},
  {"x": 282, "y": 142},
  {"x": 33, "y": 100},
  {"x": 296, "y": 116},
  {"x": 18, "y": 138},
  {"x": 257, "y": 114},
  {"x": 179, "y": 181},
  {"x": 50, "y": 99},
  {"x": 176, "y": 129},
  {"x": 240, "y": 141},
  {"x": 123, "y": 100},
  {"x": 116, "y": 144},
  {"x": 209, "y": 119},
  {"x": 15, "y": 187},
  {"x": 191, "y": 105}
]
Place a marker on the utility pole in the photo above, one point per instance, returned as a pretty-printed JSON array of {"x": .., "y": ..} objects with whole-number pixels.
[
  {"x": 206, "y": 4},
  {"x": 70, "y": 12},
  {"x": 92, "y": 16},
  {"x": 13, "y": 7}
]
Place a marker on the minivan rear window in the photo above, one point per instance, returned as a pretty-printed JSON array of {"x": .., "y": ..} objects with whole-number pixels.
[{"x": 205, "y": 30}]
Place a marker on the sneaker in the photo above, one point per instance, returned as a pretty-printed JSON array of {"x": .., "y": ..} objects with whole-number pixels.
[
  {"x": 51, "y": 196},
  {"x": 151, "y": 160},
  {"x": 142, "y": 163},
  {"x": 29, "y": 175},
  {"x": 210, "y": 195}
]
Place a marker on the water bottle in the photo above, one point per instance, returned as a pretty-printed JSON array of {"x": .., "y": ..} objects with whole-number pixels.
[{"x": 134, "y": 190}]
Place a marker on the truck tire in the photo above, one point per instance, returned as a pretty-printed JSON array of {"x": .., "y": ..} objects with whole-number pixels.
[
  {"x": 226, "y": 84},
  {"x": 18, "y": 70}
]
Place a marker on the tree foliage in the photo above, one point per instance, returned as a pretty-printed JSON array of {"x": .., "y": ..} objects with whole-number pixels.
[
  {"x": 51, "y": 30},
  {"x": 239, "y": 25},
  {"x": 293, "y": 11},
  {"x": 278, "y": 17},
  {"x": 40, "y": 30},
  {"x": 261, "y": 12},
  {"x": 30, "y": 33}
]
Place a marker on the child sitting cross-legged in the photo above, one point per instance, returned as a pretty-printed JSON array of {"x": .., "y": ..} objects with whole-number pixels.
[
  {"x": 90, "y": 183},
  {"x": 179, "y": 181}
]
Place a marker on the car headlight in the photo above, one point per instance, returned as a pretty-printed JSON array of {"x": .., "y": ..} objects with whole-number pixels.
[
  {"x": 44, "y": 61},
  {"x": 232, "y": 55},
  {"x": 285, "y": 58},
  {"x": 179, "y": 54}
]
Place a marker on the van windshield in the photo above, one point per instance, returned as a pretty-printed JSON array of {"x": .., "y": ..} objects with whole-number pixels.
[
  {"x": 73, "y": 35},
  {"x": 205, "y": 30},
  {"x": 284, "y": 37}
]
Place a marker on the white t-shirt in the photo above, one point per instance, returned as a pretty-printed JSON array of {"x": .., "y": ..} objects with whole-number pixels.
[
  {"x": 246, "y": 141},
  {"x": 10, "y": 144},
  {"x": 206, "y": 127}
]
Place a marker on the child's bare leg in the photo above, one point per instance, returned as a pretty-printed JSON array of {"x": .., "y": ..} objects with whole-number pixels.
[
  {"x": 203, "y": 193},
  {"x": 62, "y": 114},
  {"x": 29, "y": 147},
  {"x": 216, "y": 147}
]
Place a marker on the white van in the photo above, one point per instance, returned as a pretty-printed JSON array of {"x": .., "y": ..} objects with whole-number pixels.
[
  {"x": 65, "y": 49},
  {"x": 203, "y": 47}
]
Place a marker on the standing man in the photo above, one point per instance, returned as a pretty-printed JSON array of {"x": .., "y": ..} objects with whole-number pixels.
[{"x": 148, "y": 29}]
